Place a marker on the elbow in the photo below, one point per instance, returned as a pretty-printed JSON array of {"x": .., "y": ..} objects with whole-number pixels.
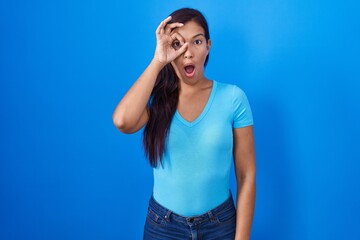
[
  {"x": 120, "y": 124},
  {"x": 250, "y": 175},
  {"x": 247, "y": 176}
]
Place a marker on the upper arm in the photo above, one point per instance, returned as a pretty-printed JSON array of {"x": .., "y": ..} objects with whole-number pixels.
[
  {"x": 242, "y": 114},
  {"x": 244, "y": 152},
  {"x": 141, "y": 122}
]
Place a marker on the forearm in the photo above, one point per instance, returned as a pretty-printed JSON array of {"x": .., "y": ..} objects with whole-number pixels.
[
  {"x": 129, "y": 110},
  {"x": 245, "y": 204}
]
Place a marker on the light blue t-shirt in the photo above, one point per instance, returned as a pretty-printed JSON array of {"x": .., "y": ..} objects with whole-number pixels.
[{"x": 194, "y": 177}]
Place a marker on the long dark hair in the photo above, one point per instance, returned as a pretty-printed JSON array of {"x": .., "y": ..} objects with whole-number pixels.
[{"x": 165, "y": 95}]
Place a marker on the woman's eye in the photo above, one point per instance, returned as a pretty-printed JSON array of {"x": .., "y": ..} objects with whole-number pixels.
[
  {"x": 176, "y": 45},
  {"x": 197, "y": 42}
]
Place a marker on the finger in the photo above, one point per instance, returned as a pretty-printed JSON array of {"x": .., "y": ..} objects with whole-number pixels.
[
  {"x": 182, "y": 49},
  {"x": 176, "y": 36},
  {"x": 161, "y": 26},
  {"x": 165, "y": 22},
  {"x": 171, "y": 26}
]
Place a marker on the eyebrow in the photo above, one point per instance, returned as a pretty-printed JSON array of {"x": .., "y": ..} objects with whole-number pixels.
[{"x": 199, "y": 34}]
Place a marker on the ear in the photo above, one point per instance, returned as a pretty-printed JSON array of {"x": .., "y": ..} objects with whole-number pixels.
[{"x": 208, "y": 45}]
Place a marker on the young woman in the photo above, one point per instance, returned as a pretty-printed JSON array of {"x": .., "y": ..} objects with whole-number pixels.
[{"x": 194, "y": 128}]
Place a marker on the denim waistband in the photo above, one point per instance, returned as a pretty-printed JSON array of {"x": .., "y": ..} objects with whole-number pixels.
[{"x": 168, "y": 214}]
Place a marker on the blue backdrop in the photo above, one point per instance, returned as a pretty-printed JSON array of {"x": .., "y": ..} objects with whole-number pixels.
[{"x": 66, "y": 172}]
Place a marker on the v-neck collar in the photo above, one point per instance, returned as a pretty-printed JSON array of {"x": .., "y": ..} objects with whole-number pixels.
[{"x": 204, "y": 111}]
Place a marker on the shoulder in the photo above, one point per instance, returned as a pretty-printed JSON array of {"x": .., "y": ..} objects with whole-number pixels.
[{"x": 231, "y": 90}]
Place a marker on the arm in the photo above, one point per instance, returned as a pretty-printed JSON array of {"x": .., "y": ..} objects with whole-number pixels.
[
  {"x": 131, "y": 113},
  {"x": 244, "y": 161}
]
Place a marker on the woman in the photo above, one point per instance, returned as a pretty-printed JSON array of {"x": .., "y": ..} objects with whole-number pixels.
[{"x": 194, "y": 128}]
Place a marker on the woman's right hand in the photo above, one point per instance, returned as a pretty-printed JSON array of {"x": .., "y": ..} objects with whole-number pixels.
[{"x": 166, "y": 51}]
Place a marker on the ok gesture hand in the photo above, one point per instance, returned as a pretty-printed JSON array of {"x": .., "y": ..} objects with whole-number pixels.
[{"x": 169, "y": 45}]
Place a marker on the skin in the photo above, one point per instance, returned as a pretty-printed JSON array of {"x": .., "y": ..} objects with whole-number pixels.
[
  {"x": 195, "y": 90},
  {"x": 245, "y": 170},
  {"x": 180, "y": 44},
  {"x": 196, "y": 52}
]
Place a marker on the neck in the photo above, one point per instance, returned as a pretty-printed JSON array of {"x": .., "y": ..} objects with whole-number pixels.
[{"x": 191, "y": 87}]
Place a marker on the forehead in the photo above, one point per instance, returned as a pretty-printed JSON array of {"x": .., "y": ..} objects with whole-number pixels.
[{"x": 190, "y": 29}]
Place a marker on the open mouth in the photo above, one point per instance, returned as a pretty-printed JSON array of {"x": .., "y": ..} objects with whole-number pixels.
[{"x": 189, "y": 70}]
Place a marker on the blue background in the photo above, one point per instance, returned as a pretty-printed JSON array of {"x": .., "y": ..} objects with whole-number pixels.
[{"x": 66, "y": 172}]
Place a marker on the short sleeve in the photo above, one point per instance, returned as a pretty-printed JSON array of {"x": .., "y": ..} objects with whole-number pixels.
[{"x": 242, "y": 114}]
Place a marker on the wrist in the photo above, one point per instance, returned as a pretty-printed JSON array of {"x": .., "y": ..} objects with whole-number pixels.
[{"x": 157, "y": 63}]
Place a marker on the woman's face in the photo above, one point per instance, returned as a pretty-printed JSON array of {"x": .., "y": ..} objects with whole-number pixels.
[{"x": 190, "y": 64}]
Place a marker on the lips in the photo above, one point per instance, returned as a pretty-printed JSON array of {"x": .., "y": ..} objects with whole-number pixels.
[{"x": 189, "y": 70}]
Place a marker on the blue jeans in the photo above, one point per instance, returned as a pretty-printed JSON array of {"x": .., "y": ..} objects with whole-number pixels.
[{"x": 218, "y": 223}]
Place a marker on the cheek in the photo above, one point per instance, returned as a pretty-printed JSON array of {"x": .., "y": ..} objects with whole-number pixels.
[
  {"x": 175, "y": 65},
  {"x": 203, "y": 52}
]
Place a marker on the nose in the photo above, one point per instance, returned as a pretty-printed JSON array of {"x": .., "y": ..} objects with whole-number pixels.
[{"x": 188, "y": 53}]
